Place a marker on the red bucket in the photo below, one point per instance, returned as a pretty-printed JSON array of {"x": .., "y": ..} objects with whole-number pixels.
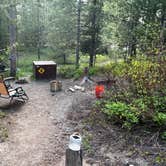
[{"x": 99, "y": 90}]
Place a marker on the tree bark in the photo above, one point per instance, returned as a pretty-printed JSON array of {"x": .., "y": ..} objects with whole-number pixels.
[
  {"x": 163, "y": 24},
  {"x": 93, "y": 37},
  {"x": 12, "y": 39},
  {"x": 78, "y": 33},
  {"x": 39, "y": 30},
  {"x": 64, "y": 58}
]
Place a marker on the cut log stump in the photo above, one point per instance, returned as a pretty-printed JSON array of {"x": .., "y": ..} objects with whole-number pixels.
[{"x": 73, "y": 158}]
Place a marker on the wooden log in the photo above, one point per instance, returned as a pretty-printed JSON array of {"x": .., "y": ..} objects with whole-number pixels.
[{"x": 73, "y": 158}]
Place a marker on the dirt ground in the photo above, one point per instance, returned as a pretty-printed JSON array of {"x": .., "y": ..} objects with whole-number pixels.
[{"x": 39, "y": 130}]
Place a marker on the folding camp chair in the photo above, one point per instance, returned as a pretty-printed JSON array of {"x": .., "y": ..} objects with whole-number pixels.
[{"x": 8, "y": 92}]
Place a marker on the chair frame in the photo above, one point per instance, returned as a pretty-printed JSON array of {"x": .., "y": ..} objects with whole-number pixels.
[{"x": 8, "y": 92}]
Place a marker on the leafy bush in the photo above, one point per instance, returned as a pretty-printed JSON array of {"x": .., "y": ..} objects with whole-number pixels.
[
  {"x": 78, "y": 73},
  {"x": 123, "y": 112},
  {"x": 94, "y": 71},
  {"x": 163, "y": 135},
  {"x": 143, "y": 98},
  {"x": 113, "y": 70},
  {"x": 66, "y": 71},
  {"x": 160, "y": 118},
  {"x": 146, "y": 77},
  {"x": 69, "y": 71}
]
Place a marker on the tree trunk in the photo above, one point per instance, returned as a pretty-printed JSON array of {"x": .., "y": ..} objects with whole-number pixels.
[
  {"x": 78, "y": 33},
  {"x": 12, "y": 39},
  {"x": 163, "y": 24},
  {"x": 93, "y": 37},
  {"x": 39, "y": 33},
  {"x": 64, "y": 58}
]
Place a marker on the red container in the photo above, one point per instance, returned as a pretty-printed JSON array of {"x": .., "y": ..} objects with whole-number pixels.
[{"x": 99, "y": 90}]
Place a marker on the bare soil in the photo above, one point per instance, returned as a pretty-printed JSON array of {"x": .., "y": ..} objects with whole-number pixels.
[
  {"x": 111, "y": 145},
  {"x": 38, "y": 131}
]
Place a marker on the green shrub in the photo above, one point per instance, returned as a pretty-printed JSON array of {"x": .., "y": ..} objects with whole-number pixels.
[
  {"x": 113, "y": 70},
  {"x": 66, "y": 71},
  {"x": 163, "y": 135},
  {"x": 127, "y": 114},
  {"x": 143, "y": 98},
  {"x": 78, "y": 73},
  {"x": 69, "y": 71},
  {"x": 146, "y": 77},
  {"x": 159, "y": 103},
  {"x": 160, "y": 118},
  {"x": 141, "y": 104},
  {"x": 94, "y": 71}
]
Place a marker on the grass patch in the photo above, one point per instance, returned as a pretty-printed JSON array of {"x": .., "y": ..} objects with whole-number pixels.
[
  {"x": 3, "y": 130},
  {"x": 2, "y": 114},
  {"x": 87, "y": 142},
  {"x": 3, "y": 133},
  {"x": 25, "y": 63}
]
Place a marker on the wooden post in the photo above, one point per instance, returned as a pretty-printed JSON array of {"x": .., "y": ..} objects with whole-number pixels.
[{"x": 73, "y": 158}]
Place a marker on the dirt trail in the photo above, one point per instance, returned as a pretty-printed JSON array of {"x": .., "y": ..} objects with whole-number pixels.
[{"x": 38, "y": 132}]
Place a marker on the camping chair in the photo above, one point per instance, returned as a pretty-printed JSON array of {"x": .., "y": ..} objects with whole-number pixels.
[{"x": 9, "y": 93}]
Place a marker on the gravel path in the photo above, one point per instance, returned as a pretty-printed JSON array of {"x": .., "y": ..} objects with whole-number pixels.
[{"x": 38, "y": 131}]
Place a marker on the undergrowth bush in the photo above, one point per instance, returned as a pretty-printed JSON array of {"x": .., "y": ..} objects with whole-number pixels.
[
  {"x": 122, "y": 112},
  {"x": 143, "y": 96},
  {"x": 69, "y": 71},
  {"x": 66, "y": 71},
  {"x": 160, "y": 118},
  {"x": 113, "y": 70}
]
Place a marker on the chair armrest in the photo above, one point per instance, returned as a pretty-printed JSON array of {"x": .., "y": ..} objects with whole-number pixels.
[
  {"x": 9, "y": 79},
  {"x": 16, "y": 89}
]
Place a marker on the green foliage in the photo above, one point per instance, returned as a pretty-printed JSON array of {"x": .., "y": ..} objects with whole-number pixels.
[
  {"x": 163, "y": 135},
  {"x": 69, "y": 71},
  {"x": 141, "y": 104},
  {"x": 78, "y": 73},
  {"x": 86, "y": 142},
  {"x": 61, "y": 20},
  {"x": 160, "y": 118},
  {"x": 146, "y": 76},
  {"x": 92, "y": 23},
  {"x": 66, "y": 71},
  {"x": 139, "y": 96},
  {"x": 2, "y": 114},
  {"x": 160, "y": 159},
  {"x": 94, "y": 70},
  {"x": 134, "y": 26},
  {"x": 112, "y": 70},
  {"x": 3, "y": 26},
  {"x": 123, "y": 112},
  {"x": 3, "y": 133},
  {"x": 25, "y": 61}
]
